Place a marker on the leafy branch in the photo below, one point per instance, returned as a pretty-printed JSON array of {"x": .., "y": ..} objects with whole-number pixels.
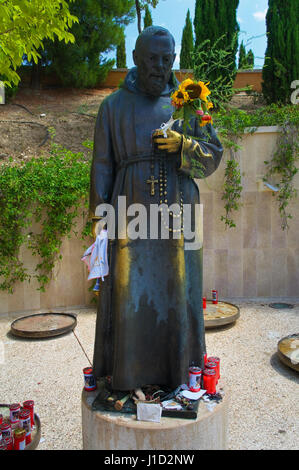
[
  {"x": 232, "y": 190},
  {"x": 283, "y": 165}
]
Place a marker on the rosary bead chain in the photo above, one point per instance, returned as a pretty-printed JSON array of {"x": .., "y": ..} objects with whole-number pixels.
[{"x": 163, "y": 182}]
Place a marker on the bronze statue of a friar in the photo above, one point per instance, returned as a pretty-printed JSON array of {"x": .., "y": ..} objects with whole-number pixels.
[{"x": 150, "y": 326}]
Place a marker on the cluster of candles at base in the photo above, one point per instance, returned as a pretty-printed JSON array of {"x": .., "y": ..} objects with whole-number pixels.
[
  {"x": 208, "y": 376},
  {"x": 15, "y": 432}
]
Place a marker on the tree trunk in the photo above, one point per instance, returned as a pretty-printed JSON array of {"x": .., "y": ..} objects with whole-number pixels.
[
  {"x": 35, "y": 82},
  {"x": 138, "y": 11}
]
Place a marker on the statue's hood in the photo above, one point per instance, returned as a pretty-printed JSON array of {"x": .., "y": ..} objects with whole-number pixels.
[{"x": 130, "y": 83}]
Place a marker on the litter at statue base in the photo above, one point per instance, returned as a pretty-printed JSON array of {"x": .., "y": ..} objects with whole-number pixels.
[
  {"x": 152, "y": 402},
  {"x": 19, "y": 426}
]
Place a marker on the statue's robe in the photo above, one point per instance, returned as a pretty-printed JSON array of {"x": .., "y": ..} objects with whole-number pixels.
[{"x": 150, "y": 325}]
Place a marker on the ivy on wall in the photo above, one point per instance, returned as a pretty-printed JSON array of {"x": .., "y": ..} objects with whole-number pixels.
[
  {"x": 284, "y": 166},
  {"x": 48, "y": 190},
  {"x": 232, "y": 124}
]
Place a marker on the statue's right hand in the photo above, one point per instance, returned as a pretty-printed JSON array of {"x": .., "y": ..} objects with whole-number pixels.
[{"x": 172, "y": 143}]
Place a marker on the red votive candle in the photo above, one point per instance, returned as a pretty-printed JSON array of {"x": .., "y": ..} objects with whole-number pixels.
[
  {"x": 3, "y": 445},
  {"x": 212, "y": 365},
  {"x": 204, "y": 302},
  {"x": 89, "y": 380},
  {"x": 215, "y": 296},
  {"x": 209, "y": 381},
  {"x": 216, "y": 360},
  {"x": 8, "y": 441},
  {"x": 29, "y": 405},
  {"x": 195, "y": 379},
  {"x": 6, "y": 430},
  {"x": 205, "y": 358},
  {"x": 19, "y": 439},
  {"x": 25, "y": 423},
  {"x": 14, "y": 411}
]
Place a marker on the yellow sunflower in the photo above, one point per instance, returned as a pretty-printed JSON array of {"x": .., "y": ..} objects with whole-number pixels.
[
  {"x": 186, "y": 83},
  {"x": 204, "y": 90},
  {"x": 191, "y": 88},
  {"x": 195, "y": 89},
  {"x": 179, "y": 97}
]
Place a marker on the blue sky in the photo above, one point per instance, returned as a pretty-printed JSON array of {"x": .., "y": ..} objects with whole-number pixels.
[{"x": 172, "y": 15}]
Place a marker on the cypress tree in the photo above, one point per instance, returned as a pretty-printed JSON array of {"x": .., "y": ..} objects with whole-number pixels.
[
  {"x": 121, "y": 58},
  {"x": 250, "y": 59},
  {"x": 147, "y": 20},
  {"x": 187, "y": 45},
  {"x": 242, "y": 57},
  {"x": 281, "y": 65},
  {"x": 246, "y": 60}
]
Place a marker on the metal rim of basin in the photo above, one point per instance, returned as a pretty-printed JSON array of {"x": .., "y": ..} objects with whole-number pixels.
[
  {"x": 221, "y": 321},
  {"x": 36, "y": 434},
  {"x": 69, "y": 318},
  {"x": 282, "y": 349}
]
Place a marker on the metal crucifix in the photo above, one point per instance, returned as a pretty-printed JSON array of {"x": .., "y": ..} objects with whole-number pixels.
[{"x": 152, "y": 182}]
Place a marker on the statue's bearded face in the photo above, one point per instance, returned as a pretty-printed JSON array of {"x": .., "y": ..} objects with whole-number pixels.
[{"x": 154, "y": 60}]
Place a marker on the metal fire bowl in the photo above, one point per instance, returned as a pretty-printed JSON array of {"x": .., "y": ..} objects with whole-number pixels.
[
  {"x": 281, "y": 305},
  {"x": 43, "y": 325},
  {"x": 220, "y": 314},
  {"x": 288, "y": 351}
]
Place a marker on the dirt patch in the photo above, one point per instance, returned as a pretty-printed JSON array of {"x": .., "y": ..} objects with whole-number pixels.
[
  {"x": 24, "y": 122},
  {"x": 247, "y": 102}
]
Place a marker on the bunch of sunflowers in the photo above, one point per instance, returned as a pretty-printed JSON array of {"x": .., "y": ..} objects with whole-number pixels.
[{"x": 191, "y": 99}]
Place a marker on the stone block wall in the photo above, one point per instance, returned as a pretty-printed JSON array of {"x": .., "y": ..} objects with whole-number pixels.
[{"x": 257, "y": 259}]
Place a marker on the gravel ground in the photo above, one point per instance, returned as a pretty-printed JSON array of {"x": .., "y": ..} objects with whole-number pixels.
[{"x": 264, "y": 405}]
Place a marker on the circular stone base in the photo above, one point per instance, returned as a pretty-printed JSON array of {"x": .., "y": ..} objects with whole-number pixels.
[
  {"x": 220, "y": 314},
  {"x": 116, "y": 431}
]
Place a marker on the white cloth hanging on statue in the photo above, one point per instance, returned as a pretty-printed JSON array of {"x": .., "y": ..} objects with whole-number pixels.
[{"x": 96, "y": 257}]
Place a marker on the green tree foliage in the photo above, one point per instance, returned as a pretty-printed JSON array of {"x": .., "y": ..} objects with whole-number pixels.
[
  {"x": 281, "y": 65},
  {"x": 246, "y": 60},
  {"x": 214, "y": 19},
  {"x": 100, "y": 29},
  {"x": 212, "y": 63},
  {"x": 250, "y": 59},
  {"x": 140, "y": 5},
  {"x": 23, "y": 27},
  {"x": 121, "y": 57},
  {"x": 242, "y": 57},
  {"x": 147, "y": 20},
  {"x": 187, "y": 45}
]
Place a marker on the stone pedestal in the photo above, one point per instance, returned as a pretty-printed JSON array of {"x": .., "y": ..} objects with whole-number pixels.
[{"x": 116, "y": 431}]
